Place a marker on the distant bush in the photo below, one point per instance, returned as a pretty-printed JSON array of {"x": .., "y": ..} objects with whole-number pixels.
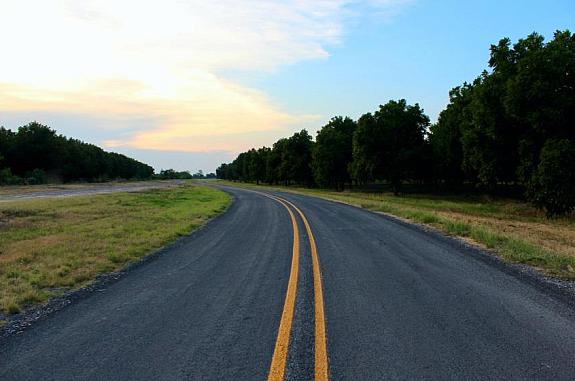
[
  {"x": 169, "y": 174},
  {"x": 7, "y": 178},
  {"x": 36, "y": 176}
]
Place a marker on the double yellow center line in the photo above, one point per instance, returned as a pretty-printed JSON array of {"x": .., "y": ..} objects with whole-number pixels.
[{"x": 277, "y": 367}]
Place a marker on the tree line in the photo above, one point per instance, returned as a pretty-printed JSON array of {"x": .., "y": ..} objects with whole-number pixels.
[
  {"x": 166, "y": 174},
  {"x": 36, "y": 153},
  {"x": 513, "y": 126}
]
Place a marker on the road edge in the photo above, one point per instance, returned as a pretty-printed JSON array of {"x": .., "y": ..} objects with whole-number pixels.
[
  {"x": 15, "y": 324},
  {"x": 561, "y": 289}
]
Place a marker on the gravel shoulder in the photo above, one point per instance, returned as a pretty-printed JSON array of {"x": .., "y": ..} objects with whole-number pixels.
[{"x": 13, "y": 193}]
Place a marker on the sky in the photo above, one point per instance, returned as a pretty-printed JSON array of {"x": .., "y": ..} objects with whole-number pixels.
[{"x": 188, "y": 84}]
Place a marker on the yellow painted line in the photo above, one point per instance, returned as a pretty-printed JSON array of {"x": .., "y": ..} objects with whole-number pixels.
[
  {"x": 321, "y": 369},
  {"x": 277, "y": 367}
]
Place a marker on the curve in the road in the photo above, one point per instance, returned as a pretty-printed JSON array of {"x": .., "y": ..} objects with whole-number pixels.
[
  {"x": 279, "y": 358},
  {"x": 321, "y": 370},
  {"x": 400, "y": 302},
  {"x": 403, "y": 302},
  {"x": 278, "y": 364},
  {"x": 208, "y": 308}
]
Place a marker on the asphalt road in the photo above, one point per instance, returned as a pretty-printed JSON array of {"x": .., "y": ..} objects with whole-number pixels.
[{"x": 400, "y": 303}]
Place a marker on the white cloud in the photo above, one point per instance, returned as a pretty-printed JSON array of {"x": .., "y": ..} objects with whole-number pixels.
[{"x": 162, "y": 59}]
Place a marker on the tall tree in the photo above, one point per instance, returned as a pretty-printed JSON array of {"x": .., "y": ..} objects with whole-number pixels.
[
  {"x": 446, "y": 136},
  {"x": 489, "y": 142},
  {"x": 278, "y": 161},
  {"x": 366, "y": 149},
  {"x": 540, "y": 96},
  {"x": 298, "y": 158},
  {"x": 332, "y": 153},
  {"x": 390, "y": 144}
]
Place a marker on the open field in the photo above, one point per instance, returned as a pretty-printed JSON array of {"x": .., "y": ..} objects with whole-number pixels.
[
  {"x": 49, "y": 246},
  {"x": 517, "y": 231},
  {"x": 18, "y": 192}
]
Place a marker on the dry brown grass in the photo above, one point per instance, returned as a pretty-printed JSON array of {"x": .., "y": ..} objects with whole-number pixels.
[{"x": 552, "y": 235}]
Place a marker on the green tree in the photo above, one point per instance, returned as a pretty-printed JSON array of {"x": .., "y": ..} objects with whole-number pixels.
[
  {"x": 36, "y": 176},
  {"x": 259, "y": 164},
  {"x": 36, "y": 146},
  {"x": 332, "y": 153},
  {"x": 540, "y": 96},
  {"x": 446, "y": 135},
  {"x": 6, "y": 144},
  {"x": 222, "y": 172},
  {"x": 489, "y": 141},
  {"x": 277, "y": 165},
  {"x": 390, "y": 145},
  {"x": 509, "y": 127},
  {"x": 297, "y": 158},
  {"x": 366, "y": 144},
  {"x": 255, "y": 166}
]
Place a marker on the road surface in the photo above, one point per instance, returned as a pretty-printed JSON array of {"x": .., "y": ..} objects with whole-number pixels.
[
  {"x": 396, "y": 303},
  {"x": 69, "y": 190}
]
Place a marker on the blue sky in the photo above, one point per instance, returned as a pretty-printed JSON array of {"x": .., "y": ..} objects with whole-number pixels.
[
  {"x": 211, "y": 79},
  {"x": 419, "y": 54}
]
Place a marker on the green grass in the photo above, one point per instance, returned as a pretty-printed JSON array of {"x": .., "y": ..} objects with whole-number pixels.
[
  {"x": 515, "y": 230},
  {"x": 49, "y": 246}
]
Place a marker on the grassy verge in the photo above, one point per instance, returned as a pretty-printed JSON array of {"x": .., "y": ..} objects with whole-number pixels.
[
  {"x": 518, "y": 232},
  {"x": 49, "y": 246}
]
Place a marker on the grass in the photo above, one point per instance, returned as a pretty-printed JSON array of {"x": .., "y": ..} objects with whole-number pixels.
[
  {"x": 50, "y": 246},
  {"x": 515, "y": 230}
]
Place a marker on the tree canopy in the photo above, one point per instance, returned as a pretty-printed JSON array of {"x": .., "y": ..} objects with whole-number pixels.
[
  {"x": 332, "y": 153},
  {"x": 36, "y": 151},
  {"x": 514, "y": 125},
  {"x": 390, "y": 144}
]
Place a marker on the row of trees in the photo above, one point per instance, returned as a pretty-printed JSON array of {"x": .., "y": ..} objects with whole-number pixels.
[
  {"x": 512, "y": 126},
  {"x": 387, "y": 145},
  {"x": 166, "y": 174},
  {"x": 36, "y": 152},
  {"x": 287, "y": 162},
  {"x": 515, "y": 124}
]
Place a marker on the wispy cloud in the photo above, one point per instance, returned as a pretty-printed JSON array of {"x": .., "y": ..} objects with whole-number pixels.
[{"x": 162, "y": 59}]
